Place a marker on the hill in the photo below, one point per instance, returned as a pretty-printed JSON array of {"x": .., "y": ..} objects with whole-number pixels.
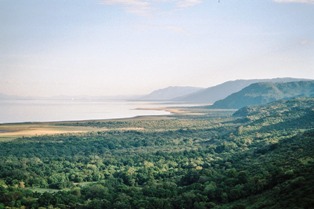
[
  {"x": 286, "y": 114},
  {"x": 221, "y": 91},
  {"x": 169, "y": 93},
  {"x": 262, "y": 93},
  {"x": 281, "y": 146}
]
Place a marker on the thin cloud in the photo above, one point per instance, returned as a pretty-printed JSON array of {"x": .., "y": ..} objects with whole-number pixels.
[
  {"x": 174, "y": 29},
  {"x": 188, "y": 3},
  {"x": 295, "y": 1},
  {"x": 169, "y": 28},
  {"x": 146, "y": 7},
  {"x": 140, "y": 7},
  {"x": 305, "y": 42}
]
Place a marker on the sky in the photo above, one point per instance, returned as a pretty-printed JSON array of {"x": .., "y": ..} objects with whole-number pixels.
[{"x": 132, "y": 47}]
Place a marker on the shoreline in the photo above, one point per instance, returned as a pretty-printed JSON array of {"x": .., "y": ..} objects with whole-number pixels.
[
  {"x": 187, "y": 110},
  {"x": 165, "y": 109},
  {"x": 11, "y": 131},
  {"x": 171, "y": 111}
]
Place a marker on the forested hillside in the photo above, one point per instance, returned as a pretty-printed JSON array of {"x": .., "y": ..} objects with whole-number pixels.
[
  {"x": 261, "y": 157},
  {"x": 263, "y": 93}
]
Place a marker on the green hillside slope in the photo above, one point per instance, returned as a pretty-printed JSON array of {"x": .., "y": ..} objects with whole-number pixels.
[{"x": 262, "y": 93}]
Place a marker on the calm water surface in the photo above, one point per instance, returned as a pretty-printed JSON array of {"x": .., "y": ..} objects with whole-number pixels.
[{"x": 12, "y": 111}]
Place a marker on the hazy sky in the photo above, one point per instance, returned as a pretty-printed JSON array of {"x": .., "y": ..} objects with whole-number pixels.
[{"x": 110, "y": 47}]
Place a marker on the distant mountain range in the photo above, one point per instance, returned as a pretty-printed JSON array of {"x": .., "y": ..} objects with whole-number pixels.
[
  {"x": 12, "y": 97},
  {"x": 221, "y": 91},
  {"x": 169, "y": 93},
  {"x": 190, "y": 94},
  {"x": 187, "y": 94},
  {"x": 265, "y": 92}
]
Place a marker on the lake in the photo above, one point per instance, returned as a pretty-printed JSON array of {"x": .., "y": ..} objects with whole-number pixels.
[{"x": 12, "y": 111}]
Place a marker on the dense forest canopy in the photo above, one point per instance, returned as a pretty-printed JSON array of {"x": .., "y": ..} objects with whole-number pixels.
[{"x": 260, "y": 157}]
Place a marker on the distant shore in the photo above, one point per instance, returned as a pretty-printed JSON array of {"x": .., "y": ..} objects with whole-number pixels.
[{"x": 166, "y": 109}]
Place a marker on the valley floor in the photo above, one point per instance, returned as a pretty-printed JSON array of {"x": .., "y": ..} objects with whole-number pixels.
[{"x": 258, "y": 157}]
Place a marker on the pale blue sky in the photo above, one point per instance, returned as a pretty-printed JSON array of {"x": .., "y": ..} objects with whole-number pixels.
[{"x": 114, "y": 47}]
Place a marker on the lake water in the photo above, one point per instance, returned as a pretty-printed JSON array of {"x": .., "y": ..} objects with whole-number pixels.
[{"x": 12, "y": 111}]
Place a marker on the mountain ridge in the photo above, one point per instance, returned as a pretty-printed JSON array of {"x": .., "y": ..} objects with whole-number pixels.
[
  {"x": 169, "y": 93},
  {"x": 265, "y": 92},
  {"x": 221, "y": 91}
]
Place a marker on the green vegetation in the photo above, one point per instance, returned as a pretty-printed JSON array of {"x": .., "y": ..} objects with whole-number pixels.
[
  {"x": 261, "y": 157},
  {"x": 263, "y": 93}
]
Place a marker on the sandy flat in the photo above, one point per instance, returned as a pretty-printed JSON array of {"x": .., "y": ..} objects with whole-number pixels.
[
  {"x": 12, "y": 131},
  {"x": 173, "y": 110}
]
